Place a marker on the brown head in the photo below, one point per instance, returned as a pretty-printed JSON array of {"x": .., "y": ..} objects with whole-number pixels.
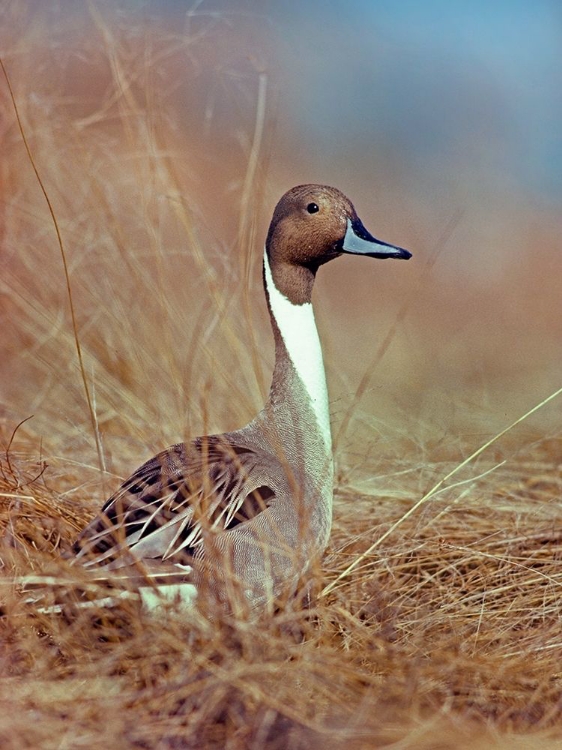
[{"x": 311, "y": 225}]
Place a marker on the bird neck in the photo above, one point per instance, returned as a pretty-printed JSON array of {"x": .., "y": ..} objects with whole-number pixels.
[{"x": 298, "y": 394}]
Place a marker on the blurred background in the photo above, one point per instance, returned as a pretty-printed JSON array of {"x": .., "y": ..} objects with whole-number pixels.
[{"x": 165, "y": 131}]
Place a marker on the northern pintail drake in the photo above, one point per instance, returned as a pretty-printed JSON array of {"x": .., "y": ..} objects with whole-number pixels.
[{"x": 246, "y": 512}]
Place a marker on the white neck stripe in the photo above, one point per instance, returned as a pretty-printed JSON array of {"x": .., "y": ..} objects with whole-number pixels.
[{"x": 298, "y": 328}]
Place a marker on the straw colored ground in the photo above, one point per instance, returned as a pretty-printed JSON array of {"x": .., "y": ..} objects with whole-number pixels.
[{"x": 437, "y": 623}]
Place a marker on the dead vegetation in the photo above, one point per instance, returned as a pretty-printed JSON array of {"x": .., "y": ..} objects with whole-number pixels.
[
  {"x": 450, "y": 630},
  {"x": 437, "y": 618}
]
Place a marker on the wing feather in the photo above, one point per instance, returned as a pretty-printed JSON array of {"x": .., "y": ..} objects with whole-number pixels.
[{"x": 166, "y": 507}]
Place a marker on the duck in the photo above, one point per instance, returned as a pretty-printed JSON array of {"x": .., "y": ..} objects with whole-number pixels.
[{"x": 242, "y": 516}]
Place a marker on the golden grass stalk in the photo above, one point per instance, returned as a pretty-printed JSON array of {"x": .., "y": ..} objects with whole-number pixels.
[
  {"x": 91, "y": 411},
  {"x": 438, "y": 486}
]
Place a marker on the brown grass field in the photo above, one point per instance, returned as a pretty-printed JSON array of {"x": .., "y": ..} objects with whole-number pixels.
[{"x": 437, "y": 622}]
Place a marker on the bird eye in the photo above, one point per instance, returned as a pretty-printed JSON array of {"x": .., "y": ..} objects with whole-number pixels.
[{"x": 312, "y": 208}]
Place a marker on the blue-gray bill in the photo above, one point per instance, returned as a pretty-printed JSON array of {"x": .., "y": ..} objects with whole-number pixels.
[{"x": 359, "y": 241}]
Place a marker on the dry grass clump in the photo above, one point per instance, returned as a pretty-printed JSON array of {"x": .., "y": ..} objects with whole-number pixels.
[
  {"x": 436, "y": 620},
  {"x": 448, "y": 635}
]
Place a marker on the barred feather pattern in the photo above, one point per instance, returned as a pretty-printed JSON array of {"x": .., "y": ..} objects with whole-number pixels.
[{"x": 165, "y": 507}]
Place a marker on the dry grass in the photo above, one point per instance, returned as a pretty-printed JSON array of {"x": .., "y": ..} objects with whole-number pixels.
[
  {"x": 437, "y": 628},
  {"x": 448, "y": 634}
]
